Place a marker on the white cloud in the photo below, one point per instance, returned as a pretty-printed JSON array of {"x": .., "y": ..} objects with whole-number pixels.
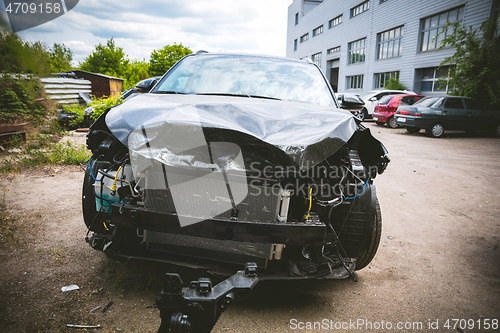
[
  {"x": 78, "y": 46},
  {"x": 256, "y": 26}
]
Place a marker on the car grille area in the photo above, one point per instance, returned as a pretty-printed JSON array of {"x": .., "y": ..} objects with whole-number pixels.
[
  {"x": 220, "y": 250},
  {"x": 207, "y": 198}
]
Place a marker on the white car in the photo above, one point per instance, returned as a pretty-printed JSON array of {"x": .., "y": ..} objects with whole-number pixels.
[{"x": 371, "y": 99}]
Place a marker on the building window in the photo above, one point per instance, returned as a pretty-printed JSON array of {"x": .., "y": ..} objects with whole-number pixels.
[
  {"x": 382, "y": 1},
  {"x": 318, "y": 31},
  {"x": 335, "y": 21},
  {"x": 390, "y": 43},
  {"x": 296, "y": 18},
  {"x": 357, "y": 51},
  {"x": 381, "y": 78},
  {"x": 304, "y": 38},
  {"x": 316, "y": 58},
  {"x": 361, "y": 8},
  {"x": 355, "y": 82},
  {"x": 431, "y": 25},
  {"x": 295, "y": 45},
  {"x": 432, "y": 79},
  {"x": 333, "y": 50}
]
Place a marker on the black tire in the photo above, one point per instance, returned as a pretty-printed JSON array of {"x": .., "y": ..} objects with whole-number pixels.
[
  {"x": 359, "y": 227},
  {"x": 359, "y": 114},
  {"x": 379, "y": 123},
  {"x": 496, "y": 131},
  {"x": 412, "y": 130},
  {"x": 364, "y": 259},
  {"x": 391, "y": 122},
  {"x": 435, "y": 131},
  {"x": 89, "y": 208}
]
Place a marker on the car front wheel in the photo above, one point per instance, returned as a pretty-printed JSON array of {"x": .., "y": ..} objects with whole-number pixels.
[
  {"x": 89, "y": 199},
  {"x": 436, "y": 130},
  {"x": 358, "y": 227},
  {"x": 359, "y": 114}
]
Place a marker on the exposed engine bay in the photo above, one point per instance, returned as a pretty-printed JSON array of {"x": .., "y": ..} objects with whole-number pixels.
[{"x": 215, "y": 185}]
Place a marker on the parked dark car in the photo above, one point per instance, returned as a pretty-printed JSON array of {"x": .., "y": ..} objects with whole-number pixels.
[
  {"x": 437, "y": 114},
  {"x": 388, "y": 105},
  {"x": 233, "y": 159}
]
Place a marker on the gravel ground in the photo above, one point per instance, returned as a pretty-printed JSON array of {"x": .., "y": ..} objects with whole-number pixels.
[{"x": 439, "y": 257}]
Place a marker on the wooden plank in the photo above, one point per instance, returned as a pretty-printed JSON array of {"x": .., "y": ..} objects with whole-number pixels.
[
  {"x": 5, "y": 137},
  {"x": 69, "y": 101},
  {"x": 67, "y": 86},
  {"x": 66, "y": 96},
  {"x": 65, "y": 92},
  {"x": 6, "y": 128},
  {"x": 61, "y": 80}
]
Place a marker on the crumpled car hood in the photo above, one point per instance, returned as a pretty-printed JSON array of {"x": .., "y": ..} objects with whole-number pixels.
[{"x": 307, "y": 134}]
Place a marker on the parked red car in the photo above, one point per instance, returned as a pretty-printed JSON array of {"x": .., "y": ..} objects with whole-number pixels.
[{"x": 387, "y": 106}]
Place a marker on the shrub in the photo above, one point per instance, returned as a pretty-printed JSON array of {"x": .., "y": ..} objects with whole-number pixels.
[
  {"x": 79, "y": 111},
  {"x": 101, "y": 104},
  {"x": 20, "y": 99},
  {"x": 394, "y": 84}
]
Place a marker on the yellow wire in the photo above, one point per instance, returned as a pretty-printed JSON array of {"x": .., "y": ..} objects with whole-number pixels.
[
  {"x": 113, "y": 188},
  {"x": 310, "y": 204}
]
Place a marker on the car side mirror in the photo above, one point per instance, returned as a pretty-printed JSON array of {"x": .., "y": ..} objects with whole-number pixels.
[
  {"x": 145, "y": 86},
  {"x": 373, "y": 99},
  {"x": 351, "y": 102}
]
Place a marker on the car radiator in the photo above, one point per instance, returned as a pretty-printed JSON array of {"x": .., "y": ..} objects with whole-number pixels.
[{"x": 205, "y": 198}]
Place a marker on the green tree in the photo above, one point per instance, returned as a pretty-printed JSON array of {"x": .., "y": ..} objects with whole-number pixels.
[
  {"x": 10, "y": 46},
  {"x": 476, "y": 72},
  {"x": 106, "y": 59},
  {"x": 162, "y": 59},
  {"x": 394, "y": 84},
  {"x": 37, "y": 60},
  {"x": 136, "y": 70},
  {"x": 60, "y": 58},
  {"x": 18, "y": 56}
]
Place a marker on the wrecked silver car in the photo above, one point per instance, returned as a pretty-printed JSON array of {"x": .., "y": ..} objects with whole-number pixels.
[{"x": 235, "y": 159}]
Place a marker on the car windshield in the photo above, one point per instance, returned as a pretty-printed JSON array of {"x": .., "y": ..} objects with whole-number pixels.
[
  {"x": 429, "y": 102},
  {"x": 248, "y": 76},
  {"x": 367, "y": 95},
  {"x": 385, "y": 100}
]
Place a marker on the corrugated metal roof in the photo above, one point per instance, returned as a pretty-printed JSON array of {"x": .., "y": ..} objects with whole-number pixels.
[{"x": 98, "y": 74}]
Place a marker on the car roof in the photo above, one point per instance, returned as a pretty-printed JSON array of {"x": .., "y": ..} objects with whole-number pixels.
[
  {"x": 374, "y": 92},
  {"x": 225, "y": 54},
  {"x": 406, "y": 95}
]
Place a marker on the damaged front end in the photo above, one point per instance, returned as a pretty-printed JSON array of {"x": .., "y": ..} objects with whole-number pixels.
[{"x": 204, "y": 183}]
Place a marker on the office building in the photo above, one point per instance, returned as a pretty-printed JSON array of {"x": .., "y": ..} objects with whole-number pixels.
[{"x": 360, "y": 44}]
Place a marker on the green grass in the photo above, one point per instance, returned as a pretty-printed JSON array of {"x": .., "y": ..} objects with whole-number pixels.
[
  {"x": 68, "y": 153},
  {"x": 9, "y": 169},
  {"x": 15, "y": 141},
  {"x": 65, "y": 153}
]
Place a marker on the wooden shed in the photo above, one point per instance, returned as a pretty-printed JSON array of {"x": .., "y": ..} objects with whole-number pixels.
[{"x": 102, "y": 85}]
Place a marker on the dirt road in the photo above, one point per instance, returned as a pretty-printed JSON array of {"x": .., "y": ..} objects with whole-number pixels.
[{"x": 439, "y": 257}]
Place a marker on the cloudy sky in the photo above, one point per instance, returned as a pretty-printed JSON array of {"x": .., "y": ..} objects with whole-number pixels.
[{"x": 255, "y": 26}]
